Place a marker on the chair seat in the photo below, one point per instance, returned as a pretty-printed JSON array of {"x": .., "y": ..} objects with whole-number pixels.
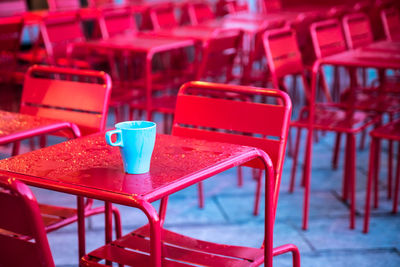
[
  {"x": 335, "y": 118},
  {"x": 386, "y": 101},
  {"x": 390, "y": 131},
  {"x": 179, "y": 250}
]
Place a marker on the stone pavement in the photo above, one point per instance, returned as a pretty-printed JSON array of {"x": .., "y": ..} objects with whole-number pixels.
[{"x": 227, "y": 217}]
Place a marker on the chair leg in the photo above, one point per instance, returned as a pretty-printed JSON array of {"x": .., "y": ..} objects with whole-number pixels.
[
  {"x": 346, "y": 172},
  {"x": 201, "y": 194},
  {"x": 289, "y": 144},
  {"x": 117, "y": 220},
  {"x": 390, "y": 170},
  {"x": 15, "y": 148},
  {"x": 43, "y": 141},
  {"x": 376, "y": 173},
  {"x": 307, "y": 177},
  {"x": 397, "y": 184},
  {"x": 335, "y": 158},
  {"x": 288, "y": 248},
  {"x": 240, "y": 176},
  {"x": 352, "y": 180},
  {"x": 258, "y": 193},
  {"x": 295, "y": 158},
  {"x": 371, "y": 171}
]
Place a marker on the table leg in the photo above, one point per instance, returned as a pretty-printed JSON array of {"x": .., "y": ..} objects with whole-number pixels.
[
  {"x": 108, "y": 222},
  {"x": 155, "y": 234},
  {"x": 81, "y": 226}
]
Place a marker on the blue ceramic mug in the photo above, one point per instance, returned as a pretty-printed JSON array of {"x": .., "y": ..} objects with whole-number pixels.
[{"x": 136, "y": 142}]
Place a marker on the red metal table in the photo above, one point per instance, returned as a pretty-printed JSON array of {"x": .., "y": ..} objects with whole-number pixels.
[
  {"x": 16, "y": 127},
  {"x": 146, "y": 44},
  {"x": 90, "y": 168}
]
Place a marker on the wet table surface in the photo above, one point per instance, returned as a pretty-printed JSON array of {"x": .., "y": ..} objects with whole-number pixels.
[
  {"x": 140, "y": 43},
  {"x": 89, "y": 164},
  {"x": 17, "y": 126}
]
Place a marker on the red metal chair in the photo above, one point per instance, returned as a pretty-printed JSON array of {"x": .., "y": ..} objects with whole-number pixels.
[
  {"x": 195, "y": 13},
  {"x": 59, "y": 31},
  {"x": 10, "y": 35},
  {"x": 161, "y": 16},
  {"x": 390, "y": 132},
  {"x": 284, "y": 59},
  {"x": 391, "y": 20},
  {"x": 23, "y": 240},
  {"x": 78, "y": 96},
  {"x": 327, "y": 39},
  {"x": 357, "y": 30},
  {"x": 115, "y": 21},
  {"x": 219, "y": 120}
]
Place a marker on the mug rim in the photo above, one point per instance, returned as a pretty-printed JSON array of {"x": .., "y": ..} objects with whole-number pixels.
[{"x": 150, "y": 124}]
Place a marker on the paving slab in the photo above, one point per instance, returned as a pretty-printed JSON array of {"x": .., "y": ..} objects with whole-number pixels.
[{"x": 335, "y": 234}]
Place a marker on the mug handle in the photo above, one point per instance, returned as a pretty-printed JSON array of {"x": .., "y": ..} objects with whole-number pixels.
[{"x": 118, "y": 142}]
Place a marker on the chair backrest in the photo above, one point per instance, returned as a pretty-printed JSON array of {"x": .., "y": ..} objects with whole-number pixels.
[
  {"x": 162, "y": 16},
  {"x": 202, "y": 113},
  {"x": 219, "y": 54},
  {"x": 357, "y": 30},
  {"x": 12, "y": 7},
  {"x": 23, "y": 240},
  {"x": 10, "y": 35},
  {"x": 327, "y": 38},
  {"x": 196, "y": 12},
  {"x": 62, "y": 5},
  {"x": 267, "y": 6},
  {"x": 114, "y": 21},
  {"x": 58, "y": 31},
  {"x": 391, "y": 23},
  {"x": 282, "y": 53},
  {"x": 73, "y": 95}
]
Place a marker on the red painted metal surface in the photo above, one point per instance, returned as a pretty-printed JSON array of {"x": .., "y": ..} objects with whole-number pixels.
[
  {"x": 284, "y": 59},
  {"x": 21, "y": 221},
  {"x": 78, "y": 96},
  {"x": 224, "y": 109},
  {"x": 56, "y": 95},
  {"x": 196, "y": 12},
  {"x": 88, "y": 167},
  {"x": 59, "y": 31},
  {"x": 357, "y": 30},
  {"x": 390, "y": 132},
  {"x": 12, "y": 7},
  {"x": 15, "y": 127}
]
